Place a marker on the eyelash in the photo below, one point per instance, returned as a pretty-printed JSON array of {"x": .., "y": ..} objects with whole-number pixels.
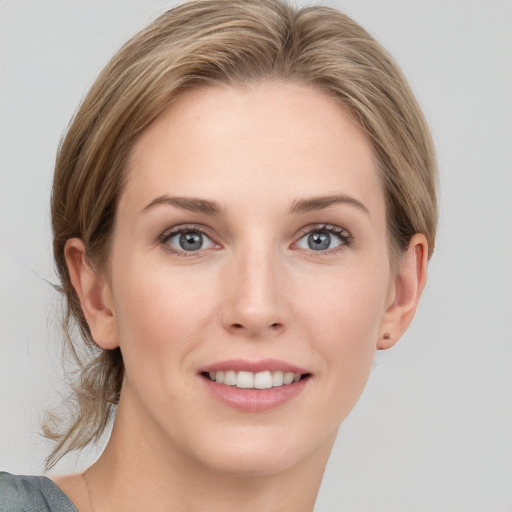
[
  {"x": 344, "y": 237},
  {"x": 170, "y": 233}
]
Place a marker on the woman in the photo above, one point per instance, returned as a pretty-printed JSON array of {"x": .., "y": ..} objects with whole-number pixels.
[{"x": 243, "y": 209}]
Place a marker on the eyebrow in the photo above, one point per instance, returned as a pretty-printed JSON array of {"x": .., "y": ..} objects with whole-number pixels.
[
  {"x": 321, "y": 202},
  {"x": 191, "y": 204},
  {"x": 297, "y": 207}
]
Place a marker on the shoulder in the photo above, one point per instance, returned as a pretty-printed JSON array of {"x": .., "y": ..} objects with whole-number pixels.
[{"x": 23, "y": 493}]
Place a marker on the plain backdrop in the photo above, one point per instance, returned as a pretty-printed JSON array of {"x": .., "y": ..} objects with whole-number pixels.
[{"x": 433, "y": 430}]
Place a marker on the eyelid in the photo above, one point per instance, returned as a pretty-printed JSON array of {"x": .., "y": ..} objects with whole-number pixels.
[
  {"x": 331, "y": 228},
  {"x": 343, "y": 234},
  {"x": 183, "y": 228}
]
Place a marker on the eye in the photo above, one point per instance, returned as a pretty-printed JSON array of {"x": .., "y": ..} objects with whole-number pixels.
[
  {"x": 187, "y": 240},
  {"x": 324, "y": 238}
]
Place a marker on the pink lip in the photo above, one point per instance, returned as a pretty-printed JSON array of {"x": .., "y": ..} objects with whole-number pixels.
[
  {"x": 242, "y": 365},
  {"x": 254, "y": 400}
]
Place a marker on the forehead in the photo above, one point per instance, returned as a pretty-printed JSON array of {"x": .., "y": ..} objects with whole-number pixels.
[{"x": 288, "y": 140}]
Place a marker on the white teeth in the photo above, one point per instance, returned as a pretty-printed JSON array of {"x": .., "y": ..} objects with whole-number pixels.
[
  {"x": 245, "y": 380},
  {"x": 263, "y": 380},
  {"x": 259, "y": 380},
  {"x": 230, "y": 378},
  {"x": 288, "y": 378},
  {"x": 277, "y": 378}
]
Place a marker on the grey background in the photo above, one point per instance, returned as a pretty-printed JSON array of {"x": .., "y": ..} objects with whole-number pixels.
[{"x": 433, "y": 430}]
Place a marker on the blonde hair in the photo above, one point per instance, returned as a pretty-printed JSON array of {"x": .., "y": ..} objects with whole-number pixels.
[{"x": 203, "y": 43}]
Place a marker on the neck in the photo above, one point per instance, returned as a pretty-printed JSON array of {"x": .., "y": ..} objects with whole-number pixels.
[{"x": 138, "y": 471}]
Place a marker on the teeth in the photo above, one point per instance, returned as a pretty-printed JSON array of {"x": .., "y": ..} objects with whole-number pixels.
[
  {"x": 245, "y": 380},
  {"x": 229, "y": 378},
  {"x": 250, "y": 380},
  {"x": 277, "y": 378},
  {"x": 288, "y": 378},
  {"x": 263, "y": 380}
]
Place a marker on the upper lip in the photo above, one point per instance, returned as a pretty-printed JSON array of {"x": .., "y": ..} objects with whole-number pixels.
[{"x": 261, "y": 365}]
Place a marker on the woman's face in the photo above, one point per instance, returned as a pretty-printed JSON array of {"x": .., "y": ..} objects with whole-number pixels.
[{"x": 250, "y": 248}]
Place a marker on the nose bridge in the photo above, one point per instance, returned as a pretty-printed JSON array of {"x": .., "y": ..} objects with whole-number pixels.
[{"x": 255, "y": 302}]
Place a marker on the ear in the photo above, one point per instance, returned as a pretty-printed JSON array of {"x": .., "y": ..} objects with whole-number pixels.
[
  {"x": 94, "y": 293},
  {"x": 405, "y": 292}
]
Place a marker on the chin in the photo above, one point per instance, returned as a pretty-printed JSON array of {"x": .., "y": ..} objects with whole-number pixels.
[{"x": 260, "y": 452}]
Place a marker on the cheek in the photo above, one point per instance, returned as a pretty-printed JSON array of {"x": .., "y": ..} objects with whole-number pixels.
[
  {"x": 159, "y": 311},
  {"x": 344, "y": 320},
  {"x": 347, "y": 304}
]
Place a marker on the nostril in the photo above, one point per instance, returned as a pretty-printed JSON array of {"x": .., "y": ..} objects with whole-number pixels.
[{"x": 275, "y": 325}]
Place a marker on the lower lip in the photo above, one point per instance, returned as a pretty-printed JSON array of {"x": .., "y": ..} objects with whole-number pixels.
[{"x": 255, "y": 400}]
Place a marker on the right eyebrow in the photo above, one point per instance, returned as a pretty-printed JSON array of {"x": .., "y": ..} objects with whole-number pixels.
[
  {"x": 191, "y": 204},
  {"x": 321, "y": 202}
]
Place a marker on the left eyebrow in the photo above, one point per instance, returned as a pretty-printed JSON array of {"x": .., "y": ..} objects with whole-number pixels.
[
  {"x": 191, "y": 204},
  {"x": 321, "y": 202}
]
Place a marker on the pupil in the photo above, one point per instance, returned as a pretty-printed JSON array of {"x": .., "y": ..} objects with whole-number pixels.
[
  {"x": 319, "y": 241},
  {"x": 191, "y": 241}
]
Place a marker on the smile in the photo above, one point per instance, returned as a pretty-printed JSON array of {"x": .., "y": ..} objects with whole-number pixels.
[
  {"x": 254, "y": 380},
  {"x": 254, "y": 386}
]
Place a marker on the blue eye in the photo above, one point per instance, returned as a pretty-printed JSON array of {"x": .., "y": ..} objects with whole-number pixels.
[
  {"x": 189, "y": 240},
  {"x": 324, "y": 238}
]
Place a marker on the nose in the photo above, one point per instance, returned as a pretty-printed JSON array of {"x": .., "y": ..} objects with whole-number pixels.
[{"x": 254, "y": 291}]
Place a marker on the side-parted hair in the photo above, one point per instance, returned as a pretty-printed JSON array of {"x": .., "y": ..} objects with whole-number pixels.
[{"x": 204, "y": 43}]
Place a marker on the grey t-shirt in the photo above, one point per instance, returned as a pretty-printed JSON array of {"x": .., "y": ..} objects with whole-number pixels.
[{"x": 21, "y": 493}]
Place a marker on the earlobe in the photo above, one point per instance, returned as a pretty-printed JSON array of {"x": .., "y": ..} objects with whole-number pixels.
[
  {"x": 407, "y": 289},
  {"x": 94, "y": 293}
]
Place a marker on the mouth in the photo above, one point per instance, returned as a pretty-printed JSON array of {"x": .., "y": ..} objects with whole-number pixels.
[
  {"x": 266, "y": 379},
  {"x": 256, "y": 386}
]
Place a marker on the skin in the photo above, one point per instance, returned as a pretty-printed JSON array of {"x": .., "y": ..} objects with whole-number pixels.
[{"x": 256, "y": 290}]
